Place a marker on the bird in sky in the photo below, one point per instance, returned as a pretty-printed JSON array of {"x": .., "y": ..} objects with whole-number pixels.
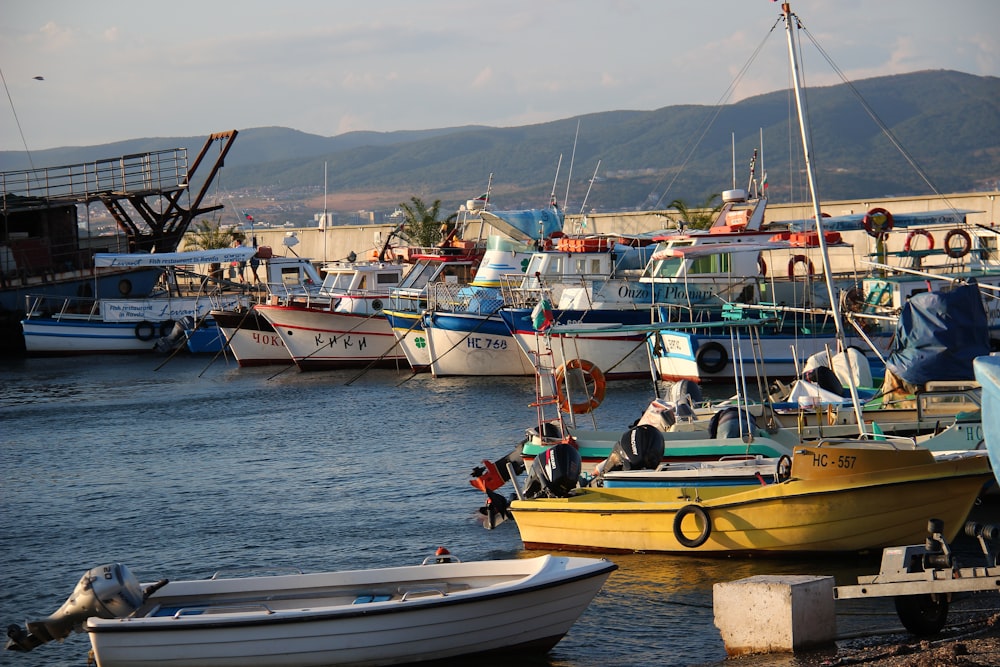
[{"x": 38, "y": 78}]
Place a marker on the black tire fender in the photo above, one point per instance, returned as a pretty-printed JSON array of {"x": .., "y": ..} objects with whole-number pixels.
[
  {"x": 711, "y": 357},
  {"x": 145, "y": 331},
  {"x": 706, "y": 523}
]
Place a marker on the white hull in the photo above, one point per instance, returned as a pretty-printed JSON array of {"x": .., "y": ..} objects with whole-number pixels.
[
  {"x": 44, "y": 336},
  {"x": 473, "y": 352},
  {"x": 700, "y": 358},
  {"x": 251, "y": 339},
  {"x": 450, "y": 610},
  {"x": 618, "y": 357},
  {"x": 318, "y": 339},
  {"x": 412, "y": 340}
]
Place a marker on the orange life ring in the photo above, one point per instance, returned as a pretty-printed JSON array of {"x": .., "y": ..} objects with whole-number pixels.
[
  {"x": 877, "y": 222},
  {"x": 918, "y": 232},
  {"x": 800, "y": 259},
  {"x": 592, "y": 375},
  {"x": 963, "y": 249}
]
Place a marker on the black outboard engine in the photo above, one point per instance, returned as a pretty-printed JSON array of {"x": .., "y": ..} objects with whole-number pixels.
[
  {"x": 107, "y": 591},
  {"x": 554, "y": 473},
  {"x": 177, "y": 335},
  {"x": 825, "y": 378},
  {"x": 731, "y": 423},
  {"x": 639, "y": 448}
]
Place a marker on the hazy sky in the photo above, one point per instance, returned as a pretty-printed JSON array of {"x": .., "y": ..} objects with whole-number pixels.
[{"x": 117, "y": 70}]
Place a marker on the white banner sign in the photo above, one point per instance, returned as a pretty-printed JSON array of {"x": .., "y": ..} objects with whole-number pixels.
[
  {"x": 222, "y": 256},
  {"x": 160, "y": 310}
]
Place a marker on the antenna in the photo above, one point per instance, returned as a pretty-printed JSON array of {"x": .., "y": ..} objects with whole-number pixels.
[
  {"x": 734, "y": 159},
  {"x": 572, "y": 158},
  {"x": 587, "y": 196},
  {"x": 552, "y": 197}
]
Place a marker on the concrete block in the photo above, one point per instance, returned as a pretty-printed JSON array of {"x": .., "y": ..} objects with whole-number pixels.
[{"x": 775, "y": 613}]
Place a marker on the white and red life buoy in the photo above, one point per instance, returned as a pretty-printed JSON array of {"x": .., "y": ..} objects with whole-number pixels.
[{"x": 908, "y": 245}]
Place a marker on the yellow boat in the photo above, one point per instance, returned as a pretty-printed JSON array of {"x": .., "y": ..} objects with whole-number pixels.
[{"x": 842, "y": 496}]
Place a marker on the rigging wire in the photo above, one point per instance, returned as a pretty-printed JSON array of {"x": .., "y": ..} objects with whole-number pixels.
[
  {"x": 16, "y": 120},
  {"x": 873, "y": 115},
  {"x": 716, "y": 110}
]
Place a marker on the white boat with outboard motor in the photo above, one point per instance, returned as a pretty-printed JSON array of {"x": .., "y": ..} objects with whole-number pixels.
[{"x": 441, "y": 609}]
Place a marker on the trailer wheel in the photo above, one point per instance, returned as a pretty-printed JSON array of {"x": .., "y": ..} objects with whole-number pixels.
[{"x": 923, "y": 615}]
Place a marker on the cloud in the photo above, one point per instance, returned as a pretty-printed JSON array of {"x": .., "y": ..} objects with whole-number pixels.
[{"x": 483, "y": 79}]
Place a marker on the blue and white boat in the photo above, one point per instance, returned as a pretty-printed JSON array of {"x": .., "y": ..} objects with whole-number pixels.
[
  {"x": 468, "y": 337},
  {"x": 82, "y": 325}
]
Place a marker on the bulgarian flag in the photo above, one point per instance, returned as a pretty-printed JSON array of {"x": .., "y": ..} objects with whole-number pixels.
[
  {"x": 541, "y": 315},
  {"x": 763, "y": 182}
]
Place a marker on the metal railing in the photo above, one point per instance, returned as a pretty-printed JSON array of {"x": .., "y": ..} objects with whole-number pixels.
[{"x": 143, "y": 172}]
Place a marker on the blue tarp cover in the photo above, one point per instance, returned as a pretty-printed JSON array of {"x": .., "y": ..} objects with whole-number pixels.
[{"x": 939, "y": 334}]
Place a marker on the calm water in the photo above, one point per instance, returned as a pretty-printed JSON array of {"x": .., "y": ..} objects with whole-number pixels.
[{"x": 194, "y": 467}]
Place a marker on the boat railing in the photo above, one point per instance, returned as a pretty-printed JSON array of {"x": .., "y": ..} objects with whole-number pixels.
[
  {"x": 222, "y": 609},
  {"x": 62, "y": 307},
  {"x": 157, "y": 171},
  {"x": 455, "y": 298}
]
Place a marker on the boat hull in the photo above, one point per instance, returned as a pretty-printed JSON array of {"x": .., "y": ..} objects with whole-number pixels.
[
  {"x": 408, "y": 328},
  {"x": 64, "y": 337},
  {"x": 679, "y": 355},
  {"x": 251, "y": 338},
  {"x": 619, "y": 356},
  {"x": 841, "y": 513},
  {"x": 320, "y": 339},
  {"x": 472, "y": 344},
  {"x": 435, "y": 620}
]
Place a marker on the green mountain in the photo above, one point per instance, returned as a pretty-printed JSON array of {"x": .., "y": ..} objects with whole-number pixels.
[{"x": 947, "y": 124}]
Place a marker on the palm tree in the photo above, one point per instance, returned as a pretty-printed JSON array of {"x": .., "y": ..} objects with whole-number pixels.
[
  {"x": 701, "y": 218},
  {"x": 209, "y": 235},
  {"x": 422, "y": 227}
]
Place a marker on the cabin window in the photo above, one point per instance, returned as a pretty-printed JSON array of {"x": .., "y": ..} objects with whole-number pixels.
[
  {"x": 666, "y": 268},
  {"x": 290, "y": 276},
  {"x": 387, "y": 278},
  {"x": 711, "y": 264}
]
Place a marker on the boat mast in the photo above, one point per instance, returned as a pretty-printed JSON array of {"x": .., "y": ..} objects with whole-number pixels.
[{"x": 791, "y": 18}]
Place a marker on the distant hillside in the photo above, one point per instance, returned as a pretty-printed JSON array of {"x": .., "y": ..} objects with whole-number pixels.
[{"x": 948, "y": 122}]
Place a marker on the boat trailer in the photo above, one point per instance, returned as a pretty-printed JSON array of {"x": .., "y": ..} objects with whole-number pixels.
[{"x": 923, "y": 577}]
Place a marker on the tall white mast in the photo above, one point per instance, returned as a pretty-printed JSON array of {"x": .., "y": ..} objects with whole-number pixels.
[{"x": 791, "y": 18}]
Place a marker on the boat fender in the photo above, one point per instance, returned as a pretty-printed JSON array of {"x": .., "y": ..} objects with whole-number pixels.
[
  {"x": 962, "y": 249},
  {"x": 145, "y": 331},
  {"x": 908, "y": 246},
  {"x": 783, "y": 471},
  {"x": 706, "y": 526},
  {"x": 585, "y": 377},
  {"x": 800, "y": 259},
  {"x": 711, "y": 357},
  {"x": 877, "y": 222}
]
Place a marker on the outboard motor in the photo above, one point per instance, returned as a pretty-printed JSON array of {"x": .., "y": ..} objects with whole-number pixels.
[
  {"x": 730, "y": 423},
  {"x": 554, "y": 473},
  {"x": 176, "y": 336},
  {"x": 107, "y": 591},
  {"x": 826, "y": 378},
  {"x": 685, "y": 389},
  {"x": 639, "y": 448}
]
